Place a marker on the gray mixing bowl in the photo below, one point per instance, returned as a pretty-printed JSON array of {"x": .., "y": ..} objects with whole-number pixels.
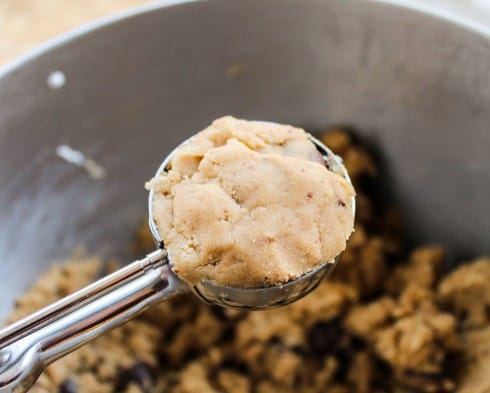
[{"x": 415, "y": 84}]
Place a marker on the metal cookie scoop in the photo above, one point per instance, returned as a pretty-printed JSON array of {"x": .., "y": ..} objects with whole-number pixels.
[{"x": 29, "y": 345}]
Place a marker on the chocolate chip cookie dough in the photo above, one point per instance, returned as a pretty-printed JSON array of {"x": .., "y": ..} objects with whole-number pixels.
[
  {"x": 387, "y": 321},
  {"x": 249, "y": 204}
]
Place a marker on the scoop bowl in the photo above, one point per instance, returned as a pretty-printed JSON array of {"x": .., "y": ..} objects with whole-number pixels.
[
  {"x": 31, "y": 344},
  {"x": 262, "y": 297}
]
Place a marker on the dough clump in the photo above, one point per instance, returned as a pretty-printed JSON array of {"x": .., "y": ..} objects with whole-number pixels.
[{"x": 248, "y": 204}]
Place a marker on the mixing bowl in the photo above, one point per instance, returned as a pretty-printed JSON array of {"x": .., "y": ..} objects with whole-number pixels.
[{"x": 412, "y": 80}]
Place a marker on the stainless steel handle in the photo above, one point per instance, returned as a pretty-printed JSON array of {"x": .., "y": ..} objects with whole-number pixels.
[{"x": 28, "y": 346}]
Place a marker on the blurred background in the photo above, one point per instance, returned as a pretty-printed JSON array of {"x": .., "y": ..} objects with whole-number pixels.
[{"x": 26, "y": 23}]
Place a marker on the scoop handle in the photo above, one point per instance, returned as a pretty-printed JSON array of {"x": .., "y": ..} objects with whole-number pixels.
[{"x": 29, "y": 345}]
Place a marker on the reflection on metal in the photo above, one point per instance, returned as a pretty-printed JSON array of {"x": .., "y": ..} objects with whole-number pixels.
[{"x": 77, "y": 158}]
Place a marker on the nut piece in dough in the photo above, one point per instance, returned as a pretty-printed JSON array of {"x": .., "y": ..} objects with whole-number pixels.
[{"x": 250, "y": 204}]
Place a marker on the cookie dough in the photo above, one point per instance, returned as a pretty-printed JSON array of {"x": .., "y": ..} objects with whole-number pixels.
[
  {"x": 474, "y": 365},
  {"x": 395, "y": 323},
  {"x": 249, "y": 204},
  {"x": 467, "y": 292}
]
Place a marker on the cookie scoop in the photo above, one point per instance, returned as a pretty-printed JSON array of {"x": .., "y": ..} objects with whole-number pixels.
[{"x": 31, "y": 344}]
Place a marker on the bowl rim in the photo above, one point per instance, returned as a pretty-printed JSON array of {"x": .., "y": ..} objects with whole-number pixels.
[{"x": 468, "y": 20}]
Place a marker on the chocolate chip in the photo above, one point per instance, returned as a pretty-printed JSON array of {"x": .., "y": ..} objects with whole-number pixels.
[
  {"x": 356, "y": 343},
  {"x": 219, "y": 313},
  {"x": 324, "y": 337},
  {"x": 344, "y": 358},
  {"x": 275, "y": 340},
  {"x": 69, "y": 386},
  {"x": 141, "y": 374},
  {"x": 191, "y": 354},
  {"x": 235, "y": 365},
  {"x": 229, "y": 333}
]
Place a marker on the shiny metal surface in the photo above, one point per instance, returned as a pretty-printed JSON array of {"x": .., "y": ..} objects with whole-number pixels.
[
  {"x": 412, "y": 78},
  {"x": 263, "y": 298},
  {"x": 29, "y": 345},
  {"x": 41, "y": 338},
  {"x": 414, "y": 84}
]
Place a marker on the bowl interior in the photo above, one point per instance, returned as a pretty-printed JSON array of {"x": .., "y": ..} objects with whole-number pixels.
[{"x": 415, "y": 86}]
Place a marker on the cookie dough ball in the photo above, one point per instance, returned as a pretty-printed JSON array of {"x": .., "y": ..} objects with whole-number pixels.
[{"x": 249, "y": 204}]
